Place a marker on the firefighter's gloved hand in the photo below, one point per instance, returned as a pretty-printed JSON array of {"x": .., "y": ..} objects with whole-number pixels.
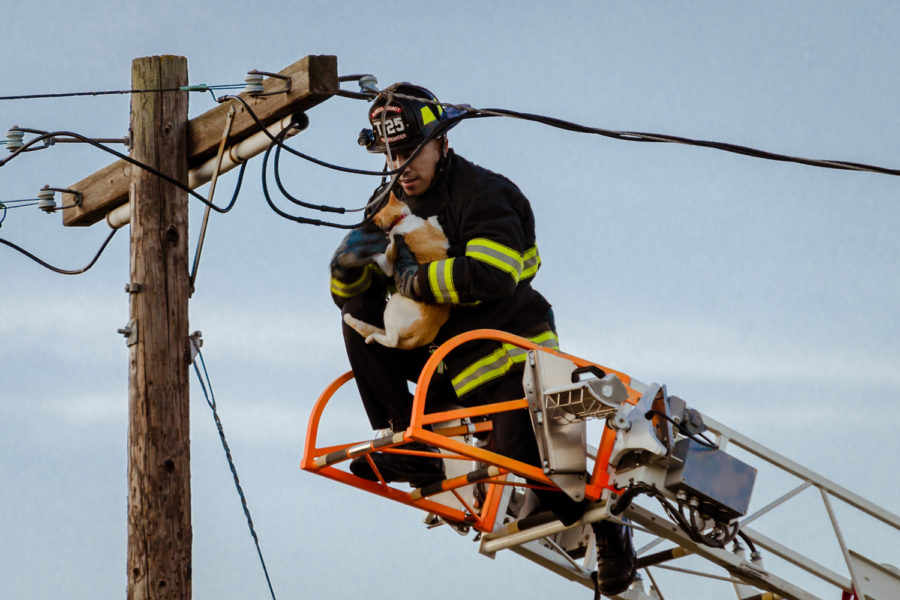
[
  {"x": 406, "y": 269},
  {"x": 356, "y": 250}
]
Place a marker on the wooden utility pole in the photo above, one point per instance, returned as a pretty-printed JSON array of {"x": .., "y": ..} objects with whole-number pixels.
[
  {"x": 159, "y": 491},
  {"x": 159, "y": 488}
]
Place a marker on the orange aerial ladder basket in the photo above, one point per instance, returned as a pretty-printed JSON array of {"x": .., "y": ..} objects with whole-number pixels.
[{"x": 455, "y": 433}]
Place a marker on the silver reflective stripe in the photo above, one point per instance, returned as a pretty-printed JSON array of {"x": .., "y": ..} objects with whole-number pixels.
[
  {"x": 440, "y": 278},
  {"x": 532, "y": 262},
  {"x": 497, "y": 255}
]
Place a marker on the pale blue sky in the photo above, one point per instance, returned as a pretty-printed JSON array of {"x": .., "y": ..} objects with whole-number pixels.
[{"x": 763, "y": 293}]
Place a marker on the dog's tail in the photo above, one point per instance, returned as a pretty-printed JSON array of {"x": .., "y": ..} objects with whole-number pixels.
[
  {"x": 364, "y": 329},
  {"x": 373, "y": 334}
]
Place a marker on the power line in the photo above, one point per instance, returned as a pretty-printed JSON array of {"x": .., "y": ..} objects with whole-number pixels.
[
  {"x": 124, "y": 157},
  {"x": 211, "y": 401},
  {"x": 202, "y": 87},
  {"x": 637, "y": 136},
  {"x": 57, "y": 269}
]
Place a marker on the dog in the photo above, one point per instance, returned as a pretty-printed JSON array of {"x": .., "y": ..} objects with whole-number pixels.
[{"x": 407, "y": 323}]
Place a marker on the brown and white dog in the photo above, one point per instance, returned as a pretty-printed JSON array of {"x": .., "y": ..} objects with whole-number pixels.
[{"x": 407, "y": 323}]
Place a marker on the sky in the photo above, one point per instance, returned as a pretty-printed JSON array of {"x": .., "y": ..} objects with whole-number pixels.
[{"x": 763, "y": 293}]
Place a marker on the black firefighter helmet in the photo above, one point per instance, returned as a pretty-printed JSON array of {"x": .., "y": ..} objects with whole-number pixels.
[{"x": 404, "y": 121}]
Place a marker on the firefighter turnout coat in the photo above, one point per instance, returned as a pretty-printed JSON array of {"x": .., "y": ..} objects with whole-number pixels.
[{"x": 492, "y": 261}]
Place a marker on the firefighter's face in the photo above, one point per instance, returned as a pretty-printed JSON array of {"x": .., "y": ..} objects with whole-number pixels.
[{"x": 419, "y": 174}]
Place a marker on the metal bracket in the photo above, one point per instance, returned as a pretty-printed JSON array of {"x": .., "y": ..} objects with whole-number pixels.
[
  {"x": 130, "y": 331},
  {"x": 196, "y": 341}
]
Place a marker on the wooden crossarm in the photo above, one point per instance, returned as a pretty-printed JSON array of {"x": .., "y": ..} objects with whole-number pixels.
[{"x": 313, "y": 79}]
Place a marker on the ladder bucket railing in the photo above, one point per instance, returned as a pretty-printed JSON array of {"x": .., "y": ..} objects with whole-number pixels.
[{"x": 452, "y": 499}]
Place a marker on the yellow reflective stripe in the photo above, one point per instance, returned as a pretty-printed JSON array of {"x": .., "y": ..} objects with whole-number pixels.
[
  {"x": 354, "y": 288},
  {"x": 498, "y": 363},
  {"x": 448, "y": 281},
  {"x": 427, "y": 115},
  {"x": 440, "y": 279},
  {"x": 497, "y": 255},
  {"x": 432, "y": 283},
  {"x": 531, "y": 263}
]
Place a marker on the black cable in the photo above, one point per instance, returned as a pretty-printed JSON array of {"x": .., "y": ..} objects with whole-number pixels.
[
  {"x": 186, "y": 88},
  {"x": 697, "y": 437},
  {"x": 211, "y": 401},
  {"x": 377, "y": 198},
  {"x": 636, "y": 136},
  {"x": 57, "y": 269},
  {"x": 237, "y": 189},
  {"x": 275, "y": 169},
  {"x": 718, "y": 538},
  {"x": 748, "y": 541},
  {"x": 124, "y": 157},
  {"x": 438, "y": 130},
  {"x": 354, "y": 95}
]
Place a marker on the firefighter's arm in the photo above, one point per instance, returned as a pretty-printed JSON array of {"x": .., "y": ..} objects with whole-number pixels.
[
  {"x": 491, "y": 268},
  {"x": 353, "y": 271}
]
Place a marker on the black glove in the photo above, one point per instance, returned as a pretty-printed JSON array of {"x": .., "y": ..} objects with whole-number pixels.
[
  {"x": 357, "y": 250},
  {"x": 406, "y": 269}
]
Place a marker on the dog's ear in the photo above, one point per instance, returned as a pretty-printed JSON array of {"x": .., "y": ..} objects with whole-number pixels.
[{"x": 385, "y": 216}]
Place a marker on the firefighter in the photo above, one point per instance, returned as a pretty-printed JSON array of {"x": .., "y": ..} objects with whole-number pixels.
[{"x": 487, "y": 280}]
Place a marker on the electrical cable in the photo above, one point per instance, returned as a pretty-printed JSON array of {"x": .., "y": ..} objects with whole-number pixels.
[
  {"x": 202, "y": 87},
  {"x": 320, "y": 207},
  {"x": 211, "y": 401},
  {"x": 636, "y": 136},
  {"x": 379, "y": 196},
  {"x": 57, "y": 269},
  {"x": 748, "y": 541},
  {"x": 697, "y": 437},
  {"x": 323, "y": 163},
  {"x": 124, "y": 157},
  {"x": 719, "y": 537},
  {"x": 23, "y": 205},
  {"x": 18, "y": 201},
  {"x": 354, "y": 95},
  {"x": 374, "y": 201}
]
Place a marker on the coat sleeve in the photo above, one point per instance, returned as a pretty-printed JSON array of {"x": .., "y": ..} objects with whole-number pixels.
[
  {"x": 497, "y": 229},
  {"x": 369, "y": 279}
]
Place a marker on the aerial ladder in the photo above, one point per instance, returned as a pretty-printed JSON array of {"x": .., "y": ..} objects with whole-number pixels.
[{"x": 659, "y": 466}]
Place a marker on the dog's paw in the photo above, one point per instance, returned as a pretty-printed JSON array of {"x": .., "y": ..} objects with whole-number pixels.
[{"x": 384, "y": 264}]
